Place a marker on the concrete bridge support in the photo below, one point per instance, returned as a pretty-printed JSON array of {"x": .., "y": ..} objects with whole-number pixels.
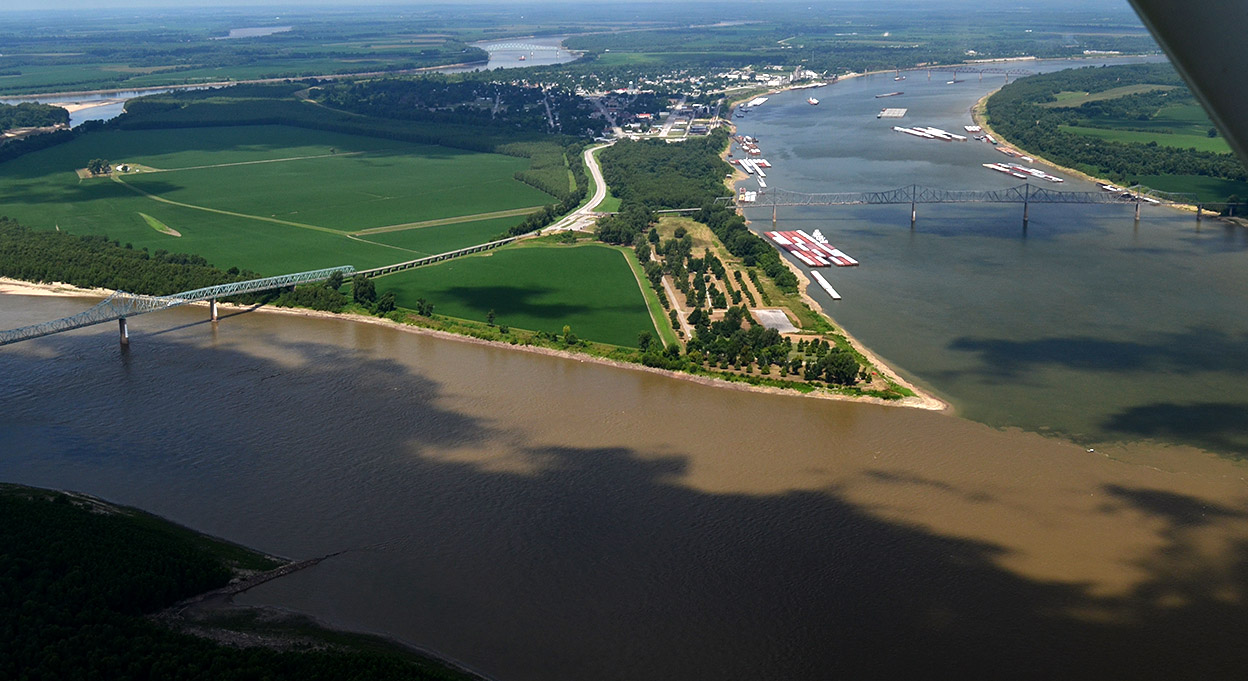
[
  {"x": 1026, "y": 206},
  {"x": 212, "y": 310},
  {"x": 124, "y": 330}
]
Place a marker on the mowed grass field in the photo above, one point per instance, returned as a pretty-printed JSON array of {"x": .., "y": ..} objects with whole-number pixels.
[
  {"x": 443, "y": 238},
  {"x": 1184, "y": 126},
  {"x": 590, "y": 288},
  {"x": 272, "y": 199},
  {"x": 1201, "y": 142},
  {"x": 1069, "y": 99},
  {"x": 1200, "y": 185}
]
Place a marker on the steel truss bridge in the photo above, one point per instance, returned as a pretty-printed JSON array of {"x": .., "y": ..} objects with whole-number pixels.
[
  {"x": 121, "y": 305},
  {"x": 955, "y": 69},
  {"x": 526, "y": 47},
  {"x": 915, "y": 194},
  {"x": 1023, "y": 193}
]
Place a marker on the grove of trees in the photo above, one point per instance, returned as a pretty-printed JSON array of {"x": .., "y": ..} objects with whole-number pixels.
[{"x": 76, "y": 584}]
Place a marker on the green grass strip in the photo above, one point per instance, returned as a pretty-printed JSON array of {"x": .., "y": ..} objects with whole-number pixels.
[
  {"x": 159, "y": 226},
  {"x": 514, "y": 212},
  {"x": 657, "y": 314}
]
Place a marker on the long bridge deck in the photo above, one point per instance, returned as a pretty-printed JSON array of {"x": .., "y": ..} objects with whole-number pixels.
[
  {"x": 121, "y": 305},
  {"x": 1023, "y": 193}
]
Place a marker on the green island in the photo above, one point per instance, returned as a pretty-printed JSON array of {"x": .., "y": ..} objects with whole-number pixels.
[
  {"x": 1131, "y": 125},
  {"x": 90, "y": 589}
]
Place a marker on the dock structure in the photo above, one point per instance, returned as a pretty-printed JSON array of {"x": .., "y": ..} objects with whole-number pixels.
[{"x": 823, "y": 283}]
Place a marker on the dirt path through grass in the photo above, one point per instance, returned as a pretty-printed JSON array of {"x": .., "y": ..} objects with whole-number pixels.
[
  {"x": 514, "y": 212},
  {"x": 252, "y": 163},
  {"x": 231, "y": 213}
]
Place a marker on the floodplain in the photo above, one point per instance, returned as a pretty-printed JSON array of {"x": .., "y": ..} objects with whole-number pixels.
[{"x": 270, "y": 198}]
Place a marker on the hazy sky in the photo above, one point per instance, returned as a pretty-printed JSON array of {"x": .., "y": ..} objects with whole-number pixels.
[{"x": 257, "y": 4}]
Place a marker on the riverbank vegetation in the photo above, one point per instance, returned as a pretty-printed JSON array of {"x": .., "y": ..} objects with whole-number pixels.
[
  {"x": 82, "y": 579},
  {"x": 93, "y": 261},
  {"x": 719, "y": 270},
  {"x": 1129, "y": 124},
  {"x": 31, "y": 115}
]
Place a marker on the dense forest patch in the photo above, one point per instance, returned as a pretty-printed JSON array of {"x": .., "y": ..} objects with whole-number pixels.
[{"x": 78, "y": 576}]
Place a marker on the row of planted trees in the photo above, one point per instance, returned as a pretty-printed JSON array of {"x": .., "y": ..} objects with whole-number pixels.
[{"x": 733, "y": 342}]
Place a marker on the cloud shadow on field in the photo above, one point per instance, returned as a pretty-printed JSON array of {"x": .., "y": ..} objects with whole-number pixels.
[{"x": 515, "y": 300}]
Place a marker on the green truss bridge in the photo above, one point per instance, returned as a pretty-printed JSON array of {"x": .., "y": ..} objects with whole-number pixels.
[{"x": 121, "y": 305}]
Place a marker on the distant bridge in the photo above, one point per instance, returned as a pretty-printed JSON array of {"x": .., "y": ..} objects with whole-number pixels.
[
  {"x": 915, "y": 194},
  {"x": 121, "y": 305},
  {"x": 1006, "y": 71},
  {"x": 525, "y": 47}
]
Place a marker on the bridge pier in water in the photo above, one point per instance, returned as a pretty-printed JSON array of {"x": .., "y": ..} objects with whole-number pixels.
[
  {"x": 212, "y": 310},
  {"x": 914, "y": 196},
  {"x": 124, "y": 330}
]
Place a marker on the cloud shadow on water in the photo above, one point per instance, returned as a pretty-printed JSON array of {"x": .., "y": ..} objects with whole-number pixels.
[{"x": 598, "y": 562}]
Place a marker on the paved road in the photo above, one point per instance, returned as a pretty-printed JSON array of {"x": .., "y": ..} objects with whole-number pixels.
[
  {"x": 671, "y": 119},
  {"x": 583, "y": 218},
  {"x": 615, "y": 128}
]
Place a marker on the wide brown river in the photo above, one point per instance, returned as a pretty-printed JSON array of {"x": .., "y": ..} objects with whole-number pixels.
[{"x": 544, "y": 518}]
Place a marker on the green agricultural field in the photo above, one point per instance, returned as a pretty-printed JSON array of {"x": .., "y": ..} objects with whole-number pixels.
[
  {"x": 1068, "y": 99},
  {"x": 589, "y": 288},
  {"x": 1180, "y": 141},
  {"x": 436, "y": 239},
  {"x": 1195, "y": 184},
  {"x": 268, "y": 198},
  {"x": 1179, "y": 119}
]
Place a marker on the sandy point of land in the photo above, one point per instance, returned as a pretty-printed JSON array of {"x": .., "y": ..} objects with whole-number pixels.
[
  {"x": 923, "y": 401},
  {"x": 28, "y": 288},
  {"x": 74, "y": 107}
]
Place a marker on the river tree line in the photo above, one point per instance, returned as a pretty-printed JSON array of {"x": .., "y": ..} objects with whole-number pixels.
[
  {"x": 1019, "y": 113},
  {"x": 31, "y": 115},
  {"x": 79, "y": 581}
]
